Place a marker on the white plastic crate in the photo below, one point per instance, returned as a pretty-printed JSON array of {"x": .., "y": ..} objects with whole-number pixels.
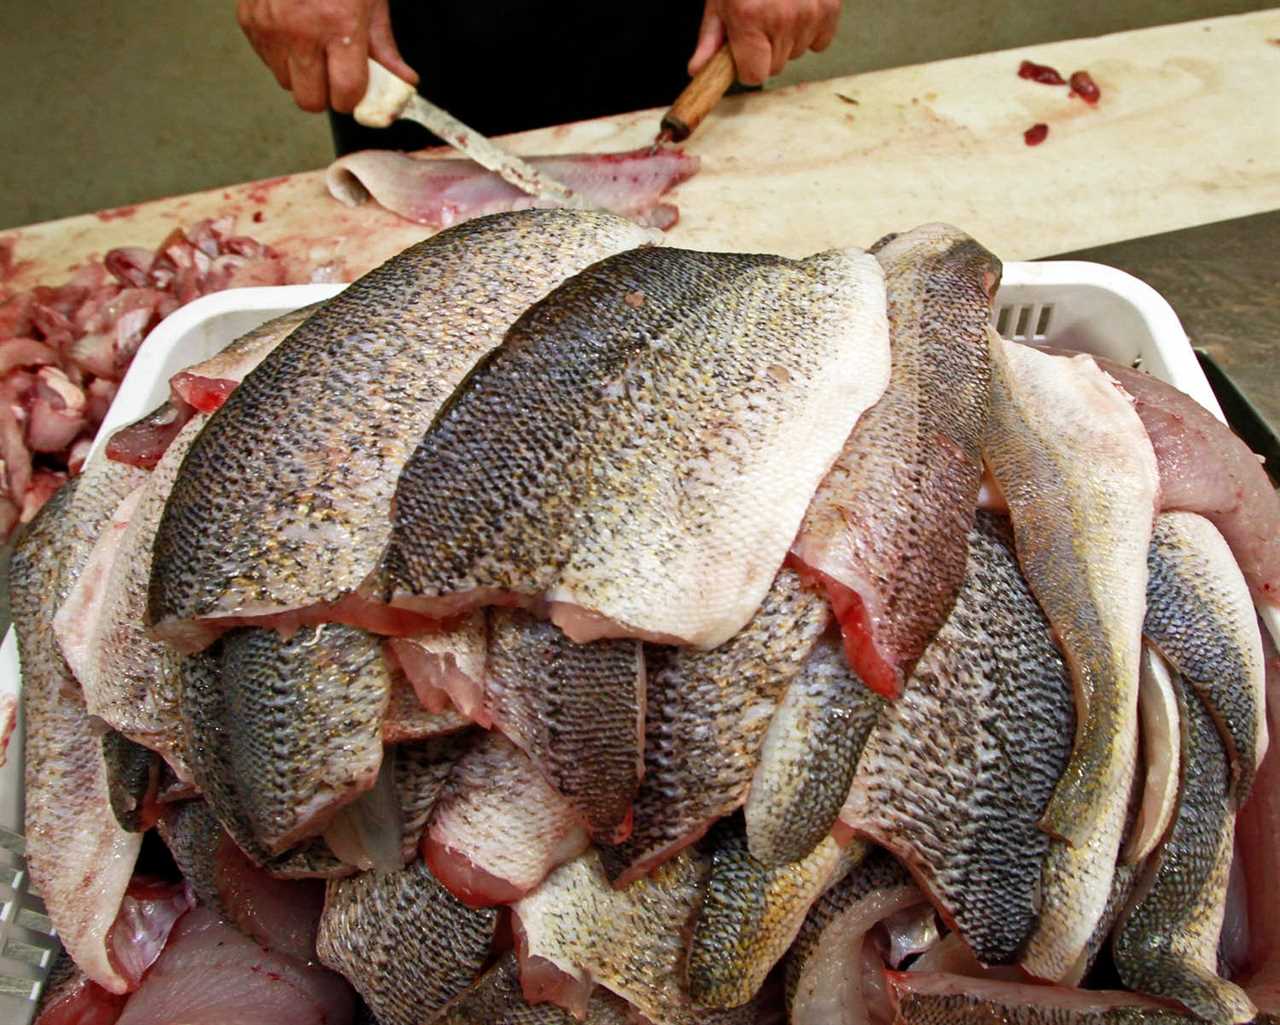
[{"x": 1071, "y": 304}]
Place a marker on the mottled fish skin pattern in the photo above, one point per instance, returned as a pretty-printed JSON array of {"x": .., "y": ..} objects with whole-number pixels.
[
  {"x": 887, "y": 527},
  {"x": 133, "y": 775},
  {"x": 1167, "y": 943},
  {"x": 496, "y": 999},
  {"x": 131, "y": 679},
  {"x": 1200, "y": 615},
  {"x": 264, "y": 519},
  {"x": 966, "y": 1009},
  {"x": 307, "y": 724},
  {"x": 422, "y": 768},
  {"x": 193, "y": 834},
  {"x": 809, "y": 757},
  {"x": 79, "y": 857},
  {"x": 1082, "y": 528},
  {"x": 407, "y": 720},
  {"x": 751, "y": 913},
  {"x": 240, "y": 357},
  {"x": 879, "y": 874},
  {"x": 640, "y": 450},
  {"x": 404, "y": 942},
  {"x": 632, "y": 942},
  {"x": 208, "y": 732},
  {"x": 706, "y": 717},
  {"x": 577, "y": 710},
  {"x": 957, "y": 773}
]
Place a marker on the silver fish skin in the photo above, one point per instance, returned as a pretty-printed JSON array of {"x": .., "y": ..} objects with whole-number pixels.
[
  {"x": 404, "y": 942},
  {"x": 304, "y": 722},
  {"x": 79, "y": 857},
  {"x": 1166, "y": 944},
  {"x": 261, "y": 524},
  {"x": 707, "y": 716},
  {"x": 751, "y": 913},
  {"x": 886, "y": 529},
  {"x": 955, "y": 776},
  {"x": 809, "y": 757},
  {"x": 1200, "y": 615},
  {"x": 130, "y": 678},
  {"x": 637, "y": 455},
  {"x": 632, "y": 942},
  {"x": 577, "y": 710}
]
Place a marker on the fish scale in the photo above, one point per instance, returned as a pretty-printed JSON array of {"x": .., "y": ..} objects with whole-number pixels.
[
  {"x": 496, "y": 999},
  {"x": 639, "y": 451},
  {"x": 955, "y": 776},
  {"x": 266, "y": 518}
]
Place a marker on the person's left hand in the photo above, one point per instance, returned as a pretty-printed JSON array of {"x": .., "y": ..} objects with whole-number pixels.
[{"x": 764, "y": 34}]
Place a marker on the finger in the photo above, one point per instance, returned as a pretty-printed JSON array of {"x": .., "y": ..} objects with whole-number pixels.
[
  {"x": 826, "y": 33},
  {"x": 710, "y": 39},
  {"x": 309, "y": 79},
  {"x": 276, "y": 58},
  {"x": 780, "y": 52},
  {"x": 753, "y": 55},
  {"x": 348, "y": 71},
  {"x": 382, "y": 44}
]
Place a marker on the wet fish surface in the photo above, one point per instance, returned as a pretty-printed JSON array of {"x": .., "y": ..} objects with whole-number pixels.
[
  {"x": 707, "y": 716},
  {"x": 955, "y": 776},
  {"x": 133, "y": 777},
  {"x": 496, "y": 999},
  {"x": 651, "y": 485},
  {"x": 1166, "y": 944},
  {"x": 885, "y": 532},
  {"x": 809, "y": 757},
  {"x": 1200, "y": 615},
  {"x": 576, "y": 709},
  {"x": 405, "y": 943},
  {"x": 422, "y": 769},
  {"x": 259, "y": 523}
]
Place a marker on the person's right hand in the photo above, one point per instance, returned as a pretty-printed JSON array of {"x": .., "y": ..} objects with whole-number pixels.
[{"x": 318, "y": 49}]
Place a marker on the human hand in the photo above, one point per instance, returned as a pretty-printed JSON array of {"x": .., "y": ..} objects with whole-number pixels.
[
  {"x": 764, "y": 34},
  {"x": 318, "y": 49}
]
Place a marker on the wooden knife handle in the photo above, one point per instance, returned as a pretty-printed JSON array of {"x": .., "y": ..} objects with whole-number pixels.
[{"x": 700, "y": 95}]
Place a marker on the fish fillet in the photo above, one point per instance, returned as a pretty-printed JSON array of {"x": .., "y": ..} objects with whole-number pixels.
[
  {"x": 499, "y": 828},
  {"x": 637, "y": 455},
  {"x": 444, "y": 192},
  {"x": 707, "y": 716},
  {"x": 1082, "y": 525},
  {"x": 405, "y": 943},
  {"x": 496, "y": 999},
  {"x": 408, "y": 720},
  {"x": 79, "y": 857},
  {"x": 955, "y": 776},
  {"x": 1166, "y": 944},
  {"x": 809, "y": 757},
  {"x": 577, "y": 710},
  {"x": 1200, "y": 615},
  {"x": 1258, "y": 840},
  {"x": 422, "y": 769},
  {"x": 282, "y": 505},
  {"x": 447, "y": 667},
  {"x": 885, "y": 532}
]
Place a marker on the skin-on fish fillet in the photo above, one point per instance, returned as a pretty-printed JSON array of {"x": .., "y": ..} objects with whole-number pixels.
[
  {"x": 707, "y": 715},
  {"x": 809, "y": 757},
  {"x": 447, "y": 667},
  {"x": 443, "y": 192},
  {"x": 499, "y": 828},
  {"x": 496, "y": 999},
  {"x": 1081, "y": 527},
  {"x": 129, "y": 678},
  {"x": 955, "y": 776},
  {"x": 651, "y": 484},
  {"x": 1201, "y": 617},
  {"x": 751, "y": 913},
  {"x": 405, "y": 943},
  {"x": 577, "y": 710},
  {"x": 885, "y": 532},
  {"x": 79, "y": 857},
  {"x": 282, "y": 506},
  {"x": 1166, "y": 944}
]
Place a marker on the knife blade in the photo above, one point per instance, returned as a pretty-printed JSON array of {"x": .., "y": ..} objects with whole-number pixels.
[{"x": 390, "y": 98}]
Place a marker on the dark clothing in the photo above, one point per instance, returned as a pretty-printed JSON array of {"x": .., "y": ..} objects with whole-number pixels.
[{"x": 524, "y": 64}]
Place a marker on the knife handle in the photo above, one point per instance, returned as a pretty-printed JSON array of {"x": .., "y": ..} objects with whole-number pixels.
[
  {"x": 385, "y": 98},
  {"x": 700, "y": 95}
]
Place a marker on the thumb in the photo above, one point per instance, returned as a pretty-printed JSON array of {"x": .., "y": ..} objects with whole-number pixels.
[
  {"x": 382, "y": 44},
  {"x": 710, "y": 38}
]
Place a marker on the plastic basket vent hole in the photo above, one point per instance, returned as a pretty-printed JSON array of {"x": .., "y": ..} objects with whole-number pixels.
[{"x": 1027, "y": 323}]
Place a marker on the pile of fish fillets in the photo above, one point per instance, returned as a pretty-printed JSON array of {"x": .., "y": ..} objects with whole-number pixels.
[{"x": 555, "y": 626}]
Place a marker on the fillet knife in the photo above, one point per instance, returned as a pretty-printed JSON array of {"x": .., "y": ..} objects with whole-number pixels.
[
  {"x": 699, "y": 97},
  {"x": 390, "y": 98}
]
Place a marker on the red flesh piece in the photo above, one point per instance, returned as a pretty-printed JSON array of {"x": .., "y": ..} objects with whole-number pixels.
[
  {"x": 1083, "y": 85},
  {"x": 86, "y": 1004},
  {"x": 542, "y": 982},
  {"x": 207, "y": 394},
  {"x": 148, "y": 913},
  {"x": 144, "y": 442},
  {"x": 1041, "y": 73},
  {"x": 281, "y": 914},
  {"x": 1036, "y": 134}
]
